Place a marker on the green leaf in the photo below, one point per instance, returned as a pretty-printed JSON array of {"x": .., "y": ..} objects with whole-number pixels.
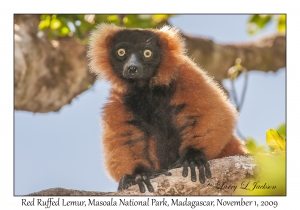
[
  {"x": 112, "y": 18},
  {"x": 233, "y": 73},
  {"x": 159, "y": 18},
  {"x": 257, "y": 22},
  {"x": 55, "y": 24},
  {"x": 281, "y": 26},
  {"x": 253, "y": 146},
  {"x": 282, "y": 130},
  {"x": 274, "y": 140},
  {"x": 65, "y": 31},
  {"x": 44, "y": 24}
]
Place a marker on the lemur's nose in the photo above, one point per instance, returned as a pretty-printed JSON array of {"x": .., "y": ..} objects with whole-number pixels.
[{"x": 132, "y": 69}]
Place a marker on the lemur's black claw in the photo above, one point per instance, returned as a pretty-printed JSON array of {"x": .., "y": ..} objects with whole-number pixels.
[
  {"x": 148, "y": 184},
  {"x": 201, "y": 174},
  {"x": 185, "y": 171},
  {"x": 195, "y": 158},
  {"x": 193, "y": 171},
  {"x": 207, "y": 170},
  {"x": 126, "y": 181},
  {"x": 141, "y": 179}
]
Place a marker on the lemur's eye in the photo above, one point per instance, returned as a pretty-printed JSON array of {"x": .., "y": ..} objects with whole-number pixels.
[
  {"x": 121, "y": 52},
  {"x": 147, "y": 53}
]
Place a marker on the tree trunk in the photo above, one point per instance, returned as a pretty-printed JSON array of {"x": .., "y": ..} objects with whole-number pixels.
[{"x": 50, "y": 73}]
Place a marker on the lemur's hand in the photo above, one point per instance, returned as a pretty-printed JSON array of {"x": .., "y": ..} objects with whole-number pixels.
[
  {"x": 141, "y": 176},
  {"x": 194, "y": 158}
]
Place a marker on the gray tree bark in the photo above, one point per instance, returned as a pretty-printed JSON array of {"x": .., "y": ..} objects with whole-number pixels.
[{"x": 48, "y": 74}]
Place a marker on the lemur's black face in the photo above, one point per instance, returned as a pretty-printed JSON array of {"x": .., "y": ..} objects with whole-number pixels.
[{"x": 135, "y": 54}]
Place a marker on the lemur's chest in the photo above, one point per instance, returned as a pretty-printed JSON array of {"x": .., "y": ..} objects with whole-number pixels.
[
  {"x": 151, "y": 107},
  {"x": 155, "y": 117}
]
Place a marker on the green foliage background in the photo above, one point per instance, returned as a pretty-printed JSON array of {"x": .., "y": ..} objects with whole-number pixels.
[
  {"x": 272, "y": 163},
  {"x": 258, "y": 22},
  {"x": 61, "y": 25}
]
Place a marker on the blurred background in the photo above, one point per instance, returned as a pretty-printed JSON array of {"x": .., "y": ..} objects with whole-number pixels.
[{"x": 60, "y": 145}]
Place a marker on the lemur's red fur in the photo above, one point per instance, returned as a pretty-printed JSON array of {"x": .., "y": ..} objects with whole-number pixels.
[{"x": 202, "y": 96}]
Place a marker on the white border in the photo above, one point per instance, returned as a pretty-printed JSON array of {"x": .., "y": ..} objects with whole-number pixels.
[{"x": 8, "y": 8}]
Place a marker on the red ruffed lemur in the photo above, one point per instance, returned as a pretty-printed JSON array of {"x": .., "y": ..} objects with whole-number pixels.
[{"x": 163, "y": 112}]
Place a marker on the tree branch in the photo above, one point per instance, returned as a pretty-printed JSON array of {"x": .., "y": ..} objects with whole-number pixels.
[
  {"x": 230, "y": 170},
  {"x": 267, "y": 54}
]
